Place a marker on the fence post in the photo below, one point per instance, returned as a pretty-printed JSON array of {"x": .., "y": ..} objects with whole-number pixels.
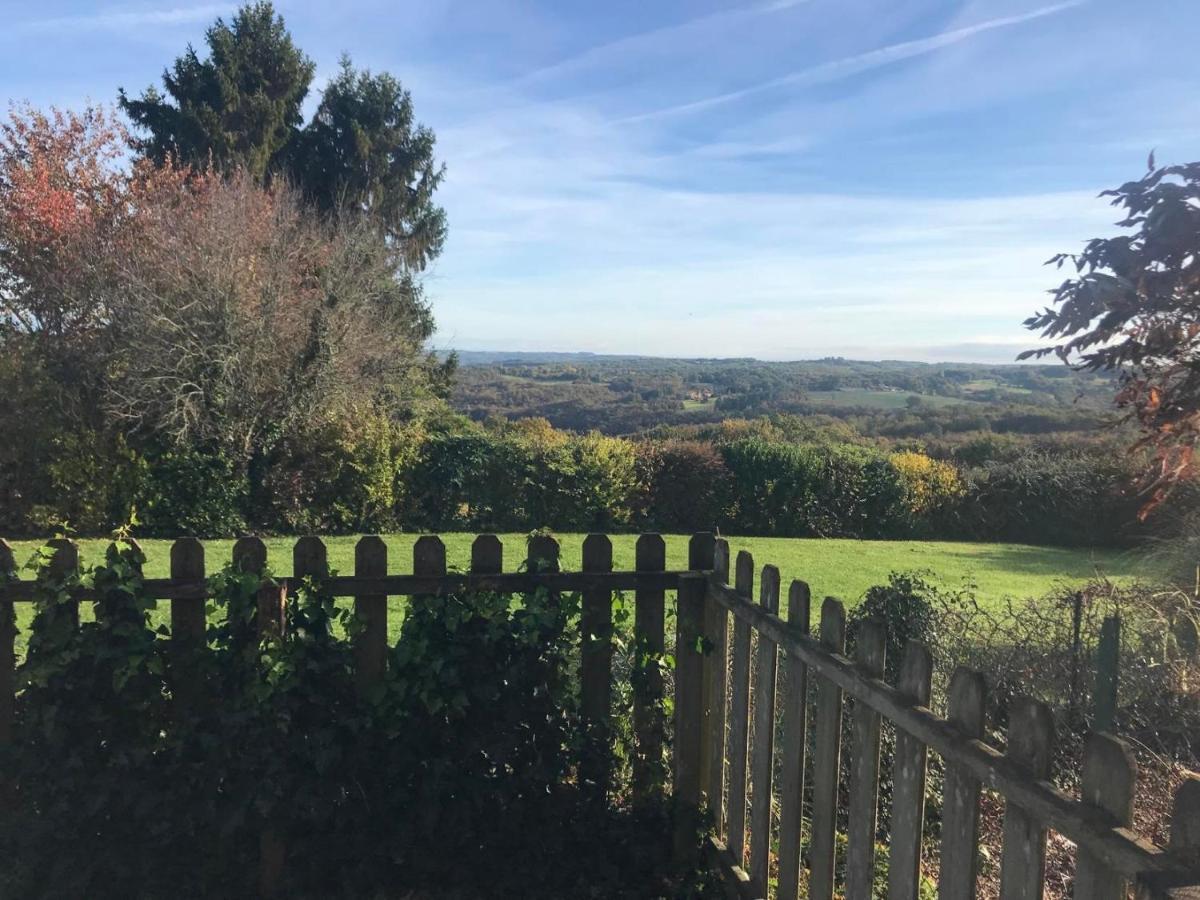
[
  {"x": 827, "y": 749},
  {"x": 1108, "y": 662},
  {"x": 189, "y": 636},
  {"x": 960, "y": 808},
  {"x": 1109, "y": 778},
  {"x": 649, "y": 629},
  {"x": 595, "y": 638},
  {"x": 761, "y": 769},
  {"x": 689, "y": 695},
  {"x": 371, "y": 642},
  {"x": 1030, "y": 746},
  {"x": 739, "y": 713},
  {"x": 794, "y": 697},
  {"x": 716, "y": 699},
  {"x": 869, "y": 652},
  {"x": 908, "y": 780}
]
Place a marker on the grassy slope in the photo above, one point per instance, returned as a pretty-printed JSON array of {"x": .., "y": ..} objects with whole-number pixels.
[{"x": 843, "y": 568}]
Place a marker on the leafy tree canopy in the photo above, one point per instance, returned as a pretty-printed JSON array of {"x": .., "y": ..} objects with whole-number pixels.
[
  {"x": 1133, "y": 307},
  {"x": 362, "y": 155},
  {"x": 239, "y": 108}
]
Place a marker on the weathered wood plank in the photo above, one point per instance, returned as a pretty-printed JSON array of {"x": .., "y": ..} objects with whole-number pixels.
[
  {"x": 1030, "y": 746},
  {"x": 827, "y": 749},
  {"x": 689, "y": 697},
  {"x": 1125, "y": 851},
  {"x": 399, "y": 585},
  {"x": 487, "y": 555},
  {"x": 716, "y": 690},
  {"x": 188, "y": 625},
  {"x": 429, "y": 555},
  {"x": 649, "y": 629},
  {"x": 908, "y": 782},
  {"x": 763, "y": 758},
  {"x": 250, "y": 554},
  {"x": 595, "y": 635},
  {"x": 960, "y": 804},
  {"x": 1109, "y": 779},
  {"x": 543, "y": 553},
  {"x": 63, "y": 564},
  {"x": 739, "y": 714},
  {"x": 310, "y": 558},
  {"x": 371, "y": 610},
  {"x": 272, "y": 609},
  {"x": 869, "y": 652},
  {"x": 794, "y": 698}
]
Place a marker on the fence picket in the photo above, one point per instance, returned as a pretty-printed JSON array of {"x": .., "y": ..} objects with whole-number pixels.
[
  {"x": 689, "y": 697},
  {"x": 908, "y": 782},
  {"x": 794, "y": 697},
  {"x": 739, "y": 714},
  {"x": 63, "y": 564},
  {"x": 1109, "y": 778},
  {"x": 761, "y": 769},
  {"x": 1030, "y": 746},
  {"x": 649, "y": 629},
  {"x": 250, "y": 555},
  {"x": 543, "y": 552},
  {"x": 371, "y": 610},
  {"x": 716, "y": 688},
  {"x": 869, "y": 652},
  {"x": 595, "y": 633},
  {"x": 487, "y": 555},
  {"x": 827, "y": 749},
  {"x": 8, "y": 656},
  {"x": 960, "y": 805},
  {"x": 188, "y": 624}
]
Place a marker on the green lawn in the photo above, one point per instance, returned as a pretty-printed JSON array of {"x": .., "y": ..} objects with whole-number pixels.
[{"x": 839, "y": 567}]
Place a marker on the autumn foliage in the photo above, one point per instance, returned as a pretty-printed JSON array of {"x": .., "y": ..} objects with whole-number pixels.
[{"x": 1133, "y": 307}]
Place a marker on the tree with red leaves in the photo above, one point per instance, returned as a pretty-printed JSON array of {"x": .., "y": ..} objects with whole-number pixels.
[{"x": 1133, "y": 308}]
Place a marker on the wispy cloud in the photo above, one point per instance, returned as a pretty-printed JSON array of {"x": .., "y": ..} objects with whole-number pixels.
[
  {"x": 854, "y": 65},
  {"x": 113, "y": 19},
  {"x": 653, "y": 39}
]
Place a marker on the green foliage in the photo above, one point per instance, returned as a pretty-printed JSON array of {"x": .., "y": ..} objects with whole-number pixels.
[
  {"x": 239, "y": 107},
  {"x": 197, "y": 492},
  {"x": 337, "y": 476},
  {"x": 462, "y": 759},
  {"x": 364, "y": 151}
]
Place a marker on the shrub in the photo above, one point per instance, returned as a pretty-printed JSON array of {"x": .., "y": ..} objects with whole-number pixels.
[
  {"x": 685, "y": 486},
  {"x": 337, "y": 476},
  {"x": 930, "y": 489},
  {"x": 198, "y": 492}
]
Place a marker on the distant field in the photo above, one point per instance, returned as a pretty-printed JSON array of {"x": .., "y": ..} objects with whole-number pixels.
[
  {"x": 841, "y": 568},
  {"x": 878, "y": 399}
]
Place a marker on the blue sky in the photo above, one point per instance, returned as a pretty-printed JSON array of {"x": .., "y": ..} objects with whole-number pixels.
[{"x": 783, "y": 179}]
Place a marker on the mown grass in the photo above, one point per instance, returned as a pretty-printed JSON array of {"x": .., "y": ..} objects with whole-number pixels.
[{"x": 832, "y": 567}]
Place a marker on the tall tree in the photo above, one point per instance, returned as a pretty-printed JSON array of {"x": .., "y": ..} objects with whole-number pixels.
[
  {"x": 1133, "y": 307},
  {"x": 239, "y": 108},
  {"x": 364, "y": 153}
]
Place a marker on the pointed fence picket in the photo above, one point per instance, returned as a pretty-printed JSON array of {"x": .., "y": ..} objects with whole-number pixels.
[{"x": 714, "y": 755}]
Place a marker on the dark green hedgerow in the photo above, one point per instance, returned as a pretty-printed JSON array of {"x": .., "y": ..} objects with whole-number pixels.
[{"x": 137, "y": 773}]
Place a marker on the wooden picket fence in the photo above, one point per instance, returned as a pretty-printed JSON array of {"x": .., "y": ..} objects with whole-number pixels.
[{"x": 723, "y": 752}]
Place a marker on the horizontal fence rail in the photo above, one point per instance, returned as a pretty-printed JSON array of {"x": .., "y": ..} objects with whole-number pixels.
[
  {"x": 1111, "y": 857},
  {"x": 739, "y": 669}
]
